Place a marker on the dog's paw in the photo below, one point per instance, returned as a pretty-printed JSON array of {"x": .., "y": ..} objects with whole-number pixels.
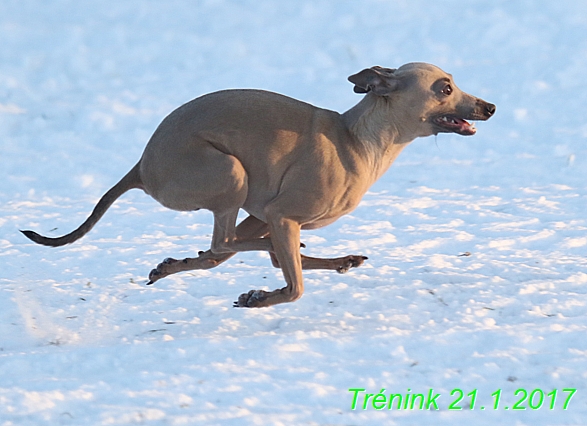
[
  {"x": 162, "y": 270},
  {"x": 349, "y": 262},
  {"x": 252, "y": 299}
]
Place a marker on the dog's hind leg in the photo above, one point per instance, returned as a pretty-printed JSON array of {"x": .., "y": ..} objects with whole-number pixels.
[{"x": 338, "y": 264}]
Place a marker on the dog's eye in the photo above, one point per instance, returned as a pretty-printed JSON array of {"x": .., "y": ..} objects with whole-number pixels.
[{"x": 447, "y": 90}]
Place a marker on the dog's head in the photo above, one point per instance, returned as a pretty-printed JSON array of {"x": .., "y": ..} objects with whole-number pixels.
[{"x": 426, "y": 96}]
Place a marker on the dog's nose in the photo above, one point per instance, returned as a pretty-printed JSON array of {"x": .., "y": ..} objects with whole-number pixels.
[{"x": 489, "y": 109}]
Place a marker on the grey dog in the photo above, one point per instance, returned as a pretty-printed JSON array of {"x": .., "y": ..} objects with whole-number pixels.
[{"x": 288, "y": 164}]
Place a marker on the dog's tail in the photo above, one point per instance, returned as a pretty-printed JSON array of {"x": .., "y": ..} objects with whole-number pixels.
[{"x": 130, "y": 181}]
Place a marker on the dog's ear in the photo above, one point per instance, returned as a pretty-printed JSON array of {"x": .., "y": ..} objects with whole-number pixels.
[{"x": 379, "y": 80}]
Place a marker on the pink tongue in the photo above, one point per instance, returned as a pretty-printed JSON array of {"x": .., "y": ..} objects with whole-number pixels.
[{"x": 465, "y": 127}]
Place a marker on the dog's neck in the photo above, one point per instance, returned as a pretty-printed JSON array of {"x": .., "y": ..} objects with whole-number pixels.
[{"x": 376, "y": 126}]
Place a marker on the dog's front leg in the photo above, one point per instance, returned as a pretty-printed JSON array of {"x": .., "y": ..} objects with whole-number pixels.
[
  {"x": 285, "y": 238},
  {"x": 250, "y": 228}
]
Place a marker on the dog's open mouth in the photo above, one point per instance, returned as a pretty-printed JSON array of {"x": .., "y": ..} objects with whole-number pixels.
[{"x": 452, "y": 124}]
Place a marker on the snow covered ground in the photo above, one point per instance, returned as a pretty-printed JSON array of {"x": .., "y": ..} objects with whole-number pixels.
[{"x": 477, "y": 270}]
